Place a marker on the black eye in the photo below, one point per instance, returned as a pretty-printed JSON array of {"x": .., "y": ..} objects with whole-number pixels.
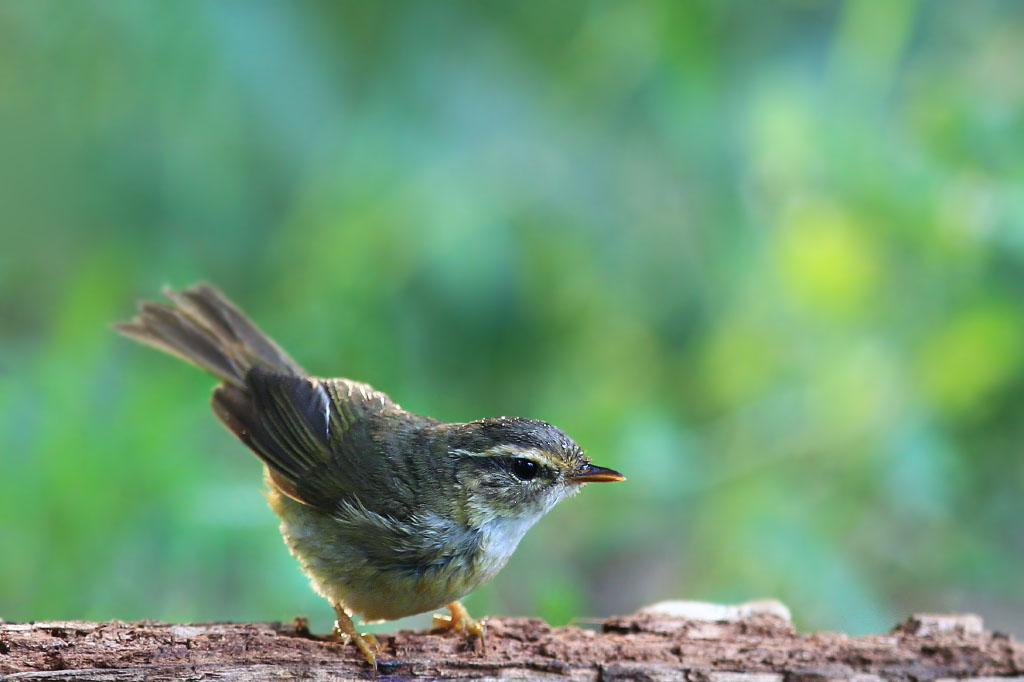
[{"x": 524, "y": 469}]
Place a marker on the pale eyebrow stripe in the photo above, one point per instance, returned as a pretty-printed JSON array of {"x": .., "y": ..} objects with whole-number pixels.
[{"x": 532, "y": 454}]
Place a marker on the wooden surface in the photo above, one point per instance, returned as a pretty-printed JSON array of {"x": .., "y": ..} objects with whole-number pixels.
[{"x": 758, "y": 648}]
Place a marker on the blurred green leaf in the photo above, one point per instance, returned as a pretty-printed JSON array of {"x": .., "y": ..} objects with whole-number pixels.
[{"x": 765, "y": 259}]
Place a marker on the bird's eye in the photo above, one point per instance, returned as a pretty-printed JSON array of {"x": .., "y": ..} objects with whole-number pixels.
[{"x": 524, "y": 469}]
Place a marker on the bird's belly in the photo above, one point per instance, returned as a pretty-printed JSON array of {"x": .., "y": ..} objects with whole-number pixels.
[
  {"x": 372, "y": 589},
  {"x": 393, "y": 595}
]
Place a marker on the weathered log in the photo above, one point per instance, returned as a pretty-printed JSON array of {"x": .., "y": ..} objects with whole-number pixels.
[{"x": 743, "y": 646}]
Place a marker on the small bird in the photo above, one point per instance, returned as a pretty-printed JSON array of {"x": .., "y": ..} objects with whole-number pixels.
[{"x": 389, "y": 513}]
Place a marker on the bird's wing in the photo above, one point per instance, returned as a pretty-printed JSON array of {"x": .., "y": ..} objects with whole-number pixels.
[{"x": 316, "y": 436}]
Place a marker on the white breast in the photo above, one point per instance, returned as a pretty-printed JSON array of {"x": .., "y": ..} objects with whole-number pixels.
[{"x": 500, "y": 537}]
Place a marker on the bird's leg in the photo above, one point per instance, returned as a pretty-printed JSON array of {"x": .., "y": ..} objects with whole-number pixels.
[
  {"x": 345, "y": 631},
  {"x": 461, "y": 622}
]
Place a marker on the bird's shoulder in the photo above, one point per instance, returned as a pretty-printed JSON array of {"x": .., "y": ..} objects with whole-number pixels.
[{"x": 354, "y": 400}]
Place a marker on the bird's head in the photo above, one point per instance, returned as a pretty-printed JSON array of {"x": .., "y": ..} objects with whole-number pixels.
[{"x": 517, "y": 469}]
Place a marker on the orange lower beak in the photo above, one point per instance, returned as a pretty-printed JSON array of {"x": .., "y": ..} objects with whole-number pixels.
[{"x": 593, "y": 474}]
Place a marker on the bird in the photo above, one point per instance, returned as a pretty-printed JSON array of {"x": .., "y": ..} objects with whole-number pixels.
[{"x": 389, "y": 513}]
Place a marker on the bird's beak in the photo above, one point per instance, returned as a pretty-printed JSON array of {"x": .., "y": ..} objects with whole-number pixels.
[{"x": 593, "y": 474}]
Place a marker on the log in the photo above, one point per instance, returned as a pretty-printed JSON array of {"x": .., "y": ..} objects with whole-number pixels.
[{"x": 674, "y": 641}]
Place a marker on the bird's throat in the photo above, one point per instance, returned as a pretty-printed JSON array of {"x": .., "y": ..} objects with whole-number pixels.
[{"x": 500, "y": 537}]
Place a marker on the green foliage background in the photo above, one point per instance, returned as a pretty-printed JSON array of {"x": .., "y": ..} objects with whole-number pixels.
[{"x": 765, "y": 258}]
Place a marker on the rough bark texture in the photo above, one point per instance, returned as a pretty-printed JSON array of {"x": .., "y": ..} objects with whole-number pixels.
[{"x": 647, "y": 646}]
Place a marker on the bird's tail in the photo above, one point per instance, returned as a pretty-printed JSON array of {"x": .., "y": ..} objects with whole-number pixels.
[{"x": 203, "y": 327}]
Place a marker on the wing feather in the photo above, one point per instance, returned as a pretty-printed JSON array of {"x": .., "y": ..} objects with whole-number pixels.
[{"x": 314, "y": 435}]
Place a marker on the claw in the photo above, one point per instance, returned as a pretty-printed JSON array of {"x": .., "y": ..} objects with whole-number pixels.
[
  {"x": 346, "y": 632},
  {"x": 369, "y": 637},
  {"x": 460, "y": 621}
]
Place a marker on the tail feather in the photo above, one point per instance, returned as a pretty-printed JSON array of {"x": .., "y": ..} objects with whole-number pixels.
[{"x": 203, "y": 327}]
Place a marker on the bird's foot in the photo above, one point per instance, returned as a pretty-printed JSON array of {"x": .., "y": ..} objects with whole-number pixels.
[
  {"x": 460, "y": 621},
  {"x": 364, "y": 641},
  {"x": 345, "y": 632}
]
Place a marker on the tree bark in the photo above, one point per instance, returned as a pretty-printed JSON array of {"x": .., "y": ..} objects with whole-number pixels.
[{"x": 646, "y": 646}]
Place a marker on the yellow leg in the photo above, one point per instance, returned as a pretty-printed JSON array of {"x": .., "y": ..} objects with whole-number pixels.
[
  {"x": 346, "y": 632},
  {"x": 461, "y": 622}
]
